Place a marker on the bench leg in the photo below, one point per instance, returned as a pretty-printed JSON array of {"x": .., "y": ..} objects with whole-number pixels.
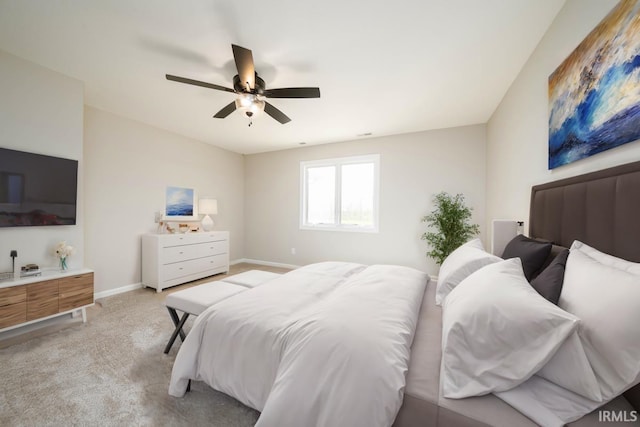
[
  {"x": 179, "y": 323},
  {"x": 176, "y": 321}
]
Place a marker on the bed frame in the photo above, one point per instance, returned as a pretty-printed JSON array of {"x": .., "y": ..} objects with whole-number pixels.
[{"x": 601, "y": 209}]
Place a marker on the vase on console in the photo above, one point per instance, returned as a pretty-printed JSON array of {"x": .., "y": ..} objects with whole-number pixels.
[{"x": 62, "y": 251}]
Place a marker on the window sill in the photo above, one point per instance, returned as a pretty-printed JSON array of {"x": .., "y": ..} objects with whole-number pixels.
[{"x": 371, "y": 230}]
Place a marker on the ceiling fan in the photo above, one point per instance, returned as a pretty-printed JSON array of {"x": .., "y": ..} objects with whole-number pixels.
[{"x": 251, "y": 89}]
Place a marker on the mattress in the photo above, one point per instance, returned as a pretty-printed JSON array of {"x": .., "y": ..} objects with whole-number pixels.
[{"x": 424, "y": 406}]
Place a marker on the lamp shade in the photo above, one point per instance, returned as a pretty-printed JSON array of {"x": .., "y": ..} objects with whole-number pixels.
[{"x": 208, "y": 206}]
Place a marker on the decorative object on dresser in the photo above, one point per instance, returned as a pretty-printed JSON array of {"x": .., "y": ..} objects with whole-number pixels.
[
  {"x": 172, "y": 259},
  {"x": 29, "y": 300},
  {"x": 208, "y": 206}
]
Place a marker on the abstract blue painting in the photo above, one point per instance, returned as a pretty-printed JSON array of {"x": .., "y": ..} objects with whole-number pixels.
[
  {"x": 594, "y": 95},
  {"x": 180, "y": 202}
]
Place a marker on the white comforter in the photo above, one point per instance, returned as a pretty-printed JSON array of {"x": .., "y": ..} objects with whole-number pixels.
[{"x": 324, "y": 345}]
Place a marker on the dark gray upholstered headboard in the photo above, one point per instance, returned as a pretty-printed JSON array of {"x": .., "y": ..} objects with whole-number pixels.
[{"x": 601, "y": 209}]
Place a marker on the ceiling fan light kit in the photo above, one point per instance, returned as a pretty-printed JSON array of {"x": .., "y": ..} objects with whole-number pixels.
[
  {"x": 251, "y": 90},
  {"x": 250, "y": 105}
]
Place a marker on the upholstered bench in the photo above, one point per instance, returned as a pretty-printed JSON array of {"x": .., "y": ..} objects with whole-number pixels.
[
  {"x": 252, "y": 278},
  {"x": 195, "y": 300}
]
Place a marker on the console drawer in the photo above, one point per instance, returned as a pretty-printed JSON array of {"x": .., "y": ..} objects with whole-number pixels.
[
  {"x": 75, "y": 292},
  {"x": 13, "y": 306},
  {"x": 42, "y": 299}
]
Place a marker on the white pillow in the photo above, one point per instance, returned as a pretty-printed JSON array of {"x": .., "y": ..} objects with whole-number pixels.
[
  {"x": 498, "y": 331},
  {"x": 606, "y": 259},
  {"x": 570, "y": 369},
  {"x": 465, "y": 260},
  {"x": 604, "y": 291}
]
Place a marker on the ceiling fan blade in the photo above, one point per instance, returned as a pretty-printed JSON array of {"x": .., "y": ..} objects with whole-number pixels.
[
  {"x": 293, "y": 92},
  {"x": 244, "y": 65},
  {"x": 226, "y": 111},
  {"x": 198, "y": 83},
  {"x": 275, "y": 113}
]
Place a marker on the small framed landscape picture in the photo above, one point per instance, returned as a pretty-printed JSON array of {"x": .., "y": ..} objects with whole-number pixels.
[{"x": 180, "y": 204}]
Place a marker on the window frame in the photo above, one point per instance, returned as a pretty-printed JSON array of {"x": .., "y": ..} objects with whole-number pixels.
[{"x": 338, "y": 163}]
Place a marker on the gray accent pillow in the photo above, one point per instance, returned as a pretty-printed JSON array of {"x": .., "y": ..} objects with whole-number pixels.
[
  {"x": 549, "y": 282},
  {"x": 532, "y": 253}
]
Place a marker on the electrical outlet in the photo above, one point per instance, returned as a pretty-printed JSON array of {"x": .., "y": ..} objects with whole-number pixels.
[
  {"x": 13, "y": 254},
  {"x": 293, "y": 251}
]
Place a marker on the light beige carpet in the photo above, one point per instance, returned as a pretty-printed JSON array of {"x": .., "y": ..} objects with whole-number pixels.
[{"x": 109, "y": 371}]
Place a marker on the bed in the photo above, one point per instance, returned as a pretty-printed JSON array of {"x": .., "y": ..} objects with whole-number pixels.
[{"x": 600, "y": 209}]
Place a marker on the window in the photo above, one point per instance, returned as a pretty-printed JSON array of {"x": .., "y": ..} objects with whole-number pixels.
[{"x": 340, "y": 194}]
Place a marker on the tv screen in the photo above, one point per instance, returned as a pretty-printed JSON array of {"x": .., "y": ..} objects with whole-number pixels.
[{"x": 36, "y": 189}]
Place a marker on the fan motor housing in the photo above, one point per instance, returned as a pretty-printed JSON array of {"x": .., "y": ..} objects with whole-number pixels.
[{"x": 241, "y": 88}]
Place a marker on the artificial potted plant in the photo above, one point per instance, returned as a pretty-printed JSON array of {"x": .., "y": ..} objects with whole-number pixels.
[{"x": 450, "y": 224}]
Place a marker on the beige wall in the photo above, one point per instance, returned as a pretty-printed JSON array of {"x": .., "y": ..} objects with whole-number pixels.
[
  {"x": 128, "y": 165},
  {"x": 413, "y": 167},
  {"x": 41, "y": 112},
  {"x": 125, "y": 167},
  {"x": 517, "y": 133}
]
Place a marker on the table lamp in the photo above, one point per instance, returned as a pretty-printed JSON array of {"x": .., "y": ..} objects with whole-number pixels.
[{"x": 208, "y": 206}]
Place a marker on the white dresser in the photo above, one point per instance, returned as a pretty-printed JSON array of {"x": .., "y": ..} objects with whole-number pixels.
[{"x": 172, "y": 259}]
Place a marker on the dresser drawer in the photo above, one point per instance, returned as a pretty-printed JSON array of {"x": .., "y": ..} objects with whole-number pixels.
[
  {"x": 192, "y": 238},
  {"x": 187, "y": 252},
  {"x": 174, "y": 271}
]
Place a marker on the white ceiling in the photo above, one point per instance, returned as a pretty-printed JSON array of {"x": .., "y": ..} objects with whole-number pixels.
[{"x": 385, "y": 67}]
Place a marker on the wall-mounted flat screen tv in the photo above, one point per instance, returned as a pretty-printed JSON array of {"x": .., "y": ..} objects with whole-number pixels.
[{"x": 37, "y": 190}]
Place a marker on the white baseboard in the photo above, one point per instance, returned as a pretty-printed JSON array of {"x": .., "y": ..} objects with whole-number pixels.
[
  {"x": 267, "y": 263},
  {"x": 116, "y": 291}
]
